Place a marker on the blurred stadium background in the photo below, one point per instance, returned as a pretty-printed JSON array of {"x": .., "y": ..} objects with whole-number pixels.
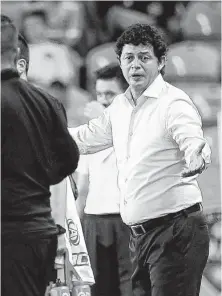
[{"x": 69, "y": 40}]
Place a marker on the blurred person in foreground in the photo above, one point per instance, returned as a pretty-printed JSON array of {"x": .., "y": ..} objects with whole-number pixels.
[
  {"x": 57, "y": 190},
  {"x": 156, "y": 132},
  {"x": 37, "y": 151},
  {"x": 58, "y": 91},
  {"x": 106, "y": 236}
]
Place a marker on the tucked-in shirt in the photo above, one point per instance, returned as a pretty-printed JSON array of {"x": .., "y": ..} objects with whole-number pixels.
[
  {"x": 103, "y": 195},
  {"x": 36, "y": 151},
  {"x": 153, "y": 141}
]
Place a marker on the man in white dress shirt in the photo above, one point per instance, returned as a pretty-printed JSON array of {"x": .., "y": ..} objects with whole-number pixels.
[
  {"x": 106, "y": 236},
  {"x": 156, "y": 132}
]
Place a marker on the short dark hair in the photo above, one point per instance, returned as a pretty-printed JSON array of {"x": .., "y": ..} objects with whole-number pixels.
[
  {"x": 23, "y": 50},
  {"x": 9, "y": 36},
  {"x": 143, "y": 34},
  {"x": 40, "y": 13},
  {"x": 112, "y": 71}
]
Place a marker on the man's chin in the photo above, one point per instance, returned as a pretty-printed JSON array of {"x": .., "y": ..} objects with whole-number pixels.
[{"x": 138, "y": 83}]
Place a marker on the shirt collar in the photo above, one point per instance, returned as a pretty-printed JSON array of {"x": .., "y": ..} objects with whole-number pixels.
[
  {"x": 153, "y": 91},
  {"x": 9, "y": 74},
  {"x": 156, "y": 88}
]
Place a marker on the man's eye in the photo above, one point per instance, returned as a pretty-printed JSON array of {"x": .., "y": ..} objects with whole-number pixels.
[
  {"x": 128, "y": 58},
  {"x": 145, "y": 58},
  {"x": 110, "y": 94}
]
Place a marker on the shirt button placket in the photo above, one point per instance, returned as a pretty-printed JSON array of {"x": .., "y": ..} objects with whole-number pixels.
[{"x": 130, "y": 132}]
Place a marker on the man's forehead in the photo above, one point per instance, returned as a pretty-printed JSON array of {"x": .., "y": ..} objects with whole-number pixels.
[
  {"x": 141, "y": 48},
  {"x": 106, "y": 81}
]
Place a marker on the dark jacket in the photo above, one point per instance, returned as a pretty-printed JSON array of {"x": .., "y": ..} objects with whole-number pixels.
[{"x": 37, "y": 151}]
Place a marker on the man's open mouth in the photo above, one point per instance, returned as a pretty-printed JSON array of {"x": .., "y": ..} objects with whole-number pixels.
[{"x": 136, "y": 76}]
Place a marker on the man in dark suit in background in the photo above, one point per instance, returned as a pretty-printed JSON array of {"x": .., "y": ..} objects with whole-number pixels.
[{"x": 37, "y": 151}]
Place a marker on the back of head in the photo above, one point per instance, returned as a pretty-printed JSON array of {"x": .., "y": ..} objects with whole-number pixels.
[
  {"x": 9, "y": 43},
  {"x": 112, "y": 71}
]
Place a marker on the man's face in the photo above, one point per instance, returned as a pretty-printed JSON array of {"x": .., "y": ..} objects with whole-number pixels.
[
  {"x": 139, "y": 65},
  {"x": 34, "y": 28},
  {"x": 106, "y": 90}
]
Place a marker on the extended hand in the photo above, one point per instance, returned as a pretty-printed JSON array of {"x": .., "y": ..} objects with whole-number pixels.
[
  {"x": 197, "y": 163},
  {"x": 93, "y": 110}
]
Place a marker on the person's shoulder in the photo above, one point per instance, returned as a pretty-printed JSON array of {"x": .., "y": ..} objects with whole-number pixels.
[
  {"x": 176, "y": 91},
  {"x": 31, "y": 87},
  {"x": 177, "y": 99},
  {"x": 44, "y": 96},
  {"x": 36, "y": 89},
  {"x": 174, "y": 94}
]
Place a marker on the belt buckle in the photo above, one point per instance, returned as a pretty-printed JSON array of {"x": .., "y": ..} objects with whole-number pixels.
[{"x": 134, "y": 227}]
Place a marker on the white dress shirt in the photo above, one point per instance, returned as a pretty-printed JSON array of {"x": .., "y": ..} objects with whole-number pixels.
[
  {"x": 103, "y": 195},
  {"x": 153, "y": 141}
]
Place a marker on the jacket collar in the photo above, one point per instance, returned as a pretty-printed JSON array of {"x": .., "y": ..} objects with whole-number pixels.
[{"x": 9, "y": 74}]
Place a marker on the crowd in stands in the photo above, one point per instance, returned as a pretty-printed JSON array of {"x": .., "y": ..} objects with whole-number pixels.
[{"x": 61, "y": 34}]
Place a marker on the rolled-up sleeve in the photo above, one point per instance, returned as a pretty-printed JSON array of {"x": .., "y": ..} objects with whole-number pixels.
[
  {"x": 183, "y": 122},
  {"x": 94, "y": 136}
]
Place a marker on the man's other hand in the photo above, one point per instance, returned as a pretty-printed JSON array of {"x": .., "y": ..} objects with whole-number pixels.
[{"x": 197, "y": 164}]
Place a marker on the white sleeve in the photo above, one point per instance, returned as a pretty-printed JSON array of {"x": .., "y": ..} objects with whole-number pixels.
[
  {"x": 184, "y": 124},
  {"x": 94, "y": 136}
]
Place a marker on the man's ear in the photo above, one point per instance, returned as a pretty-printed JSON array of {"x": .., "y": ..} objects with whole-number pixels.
[
  {"x": 118, "y": 58},
  {"x": 162, "y": 63},
  {"x": 21, "y": 66}
]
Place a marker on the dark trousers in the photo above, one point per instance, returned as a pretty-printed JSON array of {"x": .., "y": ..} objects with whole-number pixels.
[
  {"x": 169, "y": 259},
  {"x": 27, "y": 266},
  {"x": 107, "y": 241}
]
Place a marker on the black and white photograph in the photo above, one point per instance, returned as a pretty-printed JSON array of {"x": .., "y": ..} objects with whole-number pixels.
[{"x": 111, "y": 148}]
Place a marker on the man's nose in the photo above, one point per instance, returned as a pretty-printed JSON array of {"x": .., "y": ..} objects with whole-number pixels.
[
  {"x": 103, "y": 97},
  {"x": 135, "y": 63}
]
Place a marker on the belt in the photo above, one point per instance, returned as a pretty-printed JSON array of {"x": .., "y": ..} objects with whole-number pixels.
[{"x": 144, "y": 227}]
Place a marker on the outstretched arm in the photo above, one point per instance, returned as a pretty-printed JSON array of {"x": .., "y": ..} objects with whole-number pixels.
[
  {"x": 184, "y": 124},
  {"x": 94, "y": 136}
]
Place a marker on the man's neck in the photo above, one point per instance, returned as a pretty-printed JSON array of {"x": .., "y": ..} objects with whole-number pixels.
[
  {"x": 23, "y": 76},
  {"x": 136, "y": 93}
]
